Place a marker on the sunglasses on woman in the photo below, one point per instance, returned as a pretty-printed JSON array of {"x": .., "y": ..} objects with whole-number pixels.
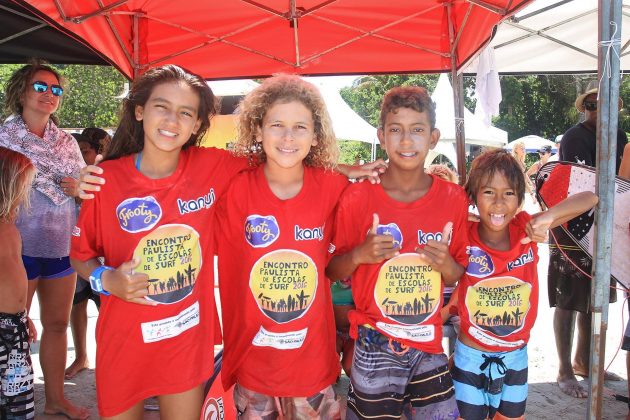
[{"x": 41, "y": 87}]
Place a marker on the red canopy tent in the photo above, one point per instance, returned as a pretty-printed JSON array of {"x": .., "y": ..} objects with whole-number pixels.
[
  {"x": 252, "y": 38},
  {"x": 249, "y": 38}
]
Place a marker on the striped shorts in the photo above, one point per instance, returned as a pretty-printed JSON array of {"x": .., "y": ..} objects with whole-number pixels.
[
  {"x": 16, "y": 370},
  {"x": 490, "y": 385},
  {"x": 389, "y": 380}
]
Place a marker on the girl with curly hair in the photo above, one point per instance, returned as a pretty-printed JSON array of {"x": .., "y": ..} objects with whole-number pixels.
[{"x": 278, "y": 323}]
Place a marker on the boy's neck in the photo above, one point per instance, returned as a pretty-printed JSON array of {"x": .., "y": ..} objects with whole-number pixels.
[
  {"x": 155, "y": 164},
  {"x": 285, "y": 183},
  {"x": 406, "y": 186},
  {"x": 499, "y": 241}
]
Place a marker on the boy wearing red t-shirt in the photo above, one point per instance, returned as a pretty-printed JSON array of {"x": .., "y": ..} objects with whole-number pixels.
[
  {"x": 393, "y": 238},
  {"x": 497, "y": 298}
]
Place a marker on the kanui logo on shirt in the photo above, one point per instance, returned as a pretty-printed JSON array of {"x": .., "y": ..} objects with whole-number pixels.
[
  {"x": 479, "y": 263},
  {"x": 138, "y": 214},
  {"x": 308, "y": 234},
  {"x": 190, "y": 206},
  {"x": 522, "y": 260},
  {"x": 261, "y": 231},
  {"x": 393, "y": 230},
  {"x": 423, "y": 238}
]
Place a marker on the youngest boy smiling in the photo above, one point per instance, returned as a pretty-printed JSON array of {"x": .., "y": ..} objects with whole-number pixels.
[{"x": 497, "y": 298}]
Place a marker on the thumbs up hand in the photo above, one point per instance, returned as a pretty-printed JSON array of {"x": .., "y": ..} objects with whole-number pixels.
[
  {"x": 127, "y": 285},
  {"x": 376, "y": 248},
  {"x": 436, "y": 253}
]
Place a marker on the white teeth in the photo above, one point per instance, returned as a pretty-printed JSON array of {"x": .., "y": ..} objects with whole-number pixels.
[
  {"x": 167, "y": 133},
  {"x": 287, "y": 150},
  {"x": 497, "y": 219},
  {"x": 410, "y": 154}
]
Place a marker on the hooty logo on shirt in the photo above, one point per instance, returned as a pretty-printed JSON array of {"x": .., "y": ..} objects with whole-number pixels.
[
  {"x": 283, "y": 283},
  {"x": 393, "y": 230},
  {"x": 408, "y": 290},
  {"x": 138, "y": 214},
  {"x": 261, "y": 231},
  {"x": 498, "y": 305},
  {"x": 171, "y": 257},
  {"x": 480, "y": 264}
]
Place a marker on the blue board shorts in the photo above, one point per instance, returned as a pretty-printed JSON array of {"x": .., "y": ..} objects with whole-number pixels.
[
  {"x": 490, "y": 383},
  {"x": 46, "y": 268}
]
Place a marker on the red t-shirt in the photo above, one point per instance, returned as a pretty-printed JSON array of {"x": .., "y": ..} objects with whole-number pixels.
[
  {"x": 498, "y": 295},
  {"x": 401, "y": 297},
  {"x": 278, "y": 324},
  {"x": 143, "y": 350}
]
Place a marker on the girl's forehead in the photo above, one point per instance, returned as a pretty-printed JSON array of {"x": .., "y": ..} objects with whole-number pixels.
[{"x": 289, "y": 109}]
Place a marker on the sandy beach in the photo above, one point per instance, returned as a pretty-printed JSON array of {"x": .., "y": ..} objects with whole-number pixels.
[{"x": 545, "y": 400}]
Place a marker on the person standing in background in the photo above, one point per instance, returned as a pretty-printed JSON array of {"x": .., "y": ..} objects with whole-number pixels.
[
  {"x": 569, "y": 273},
  {"x": 33, "y": 94}
]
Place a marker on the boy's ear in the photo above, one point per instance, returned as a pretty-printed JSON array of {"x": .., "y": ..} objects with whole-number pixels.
[
  {"x": 258, "y": 135},
  {"x": 435, "y": 137},
  {"x": 381, "y": 137},
  {"x": 139, "y": 111}
]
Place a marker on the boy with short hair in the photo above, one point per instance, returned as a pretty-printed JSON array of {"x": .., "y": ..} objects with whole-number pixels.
[
  {"x": 393, "y": 238},
  {"x": 497, "y": 297}
]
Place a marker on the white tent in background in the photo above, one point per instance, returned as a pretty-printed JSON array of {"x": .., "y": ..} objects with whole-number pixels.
[
  {"x": 553, "y": 36},
  {"x": 533, "y": 144},
  {"x": 240, "y": 87},
  {"x": 476, "y": 131},
  {"x": 347, "y": 124}
]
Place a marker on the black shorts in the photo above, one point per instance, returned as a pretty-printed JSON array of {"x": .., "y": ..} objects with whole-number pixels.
[
  {"x": 625, "y": 344},
  {"x": 83, "y": 291},
  {"x": 567, "y": 287}
]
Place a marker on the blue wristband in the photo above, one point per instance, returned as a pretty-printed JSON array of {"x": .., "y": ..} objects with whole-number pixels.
[{"x": 96, "y": 279}]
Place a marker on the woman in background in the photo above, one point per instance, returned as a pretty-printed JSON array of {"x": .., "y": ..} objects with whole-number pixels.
[{"x": 33, "y": 94}]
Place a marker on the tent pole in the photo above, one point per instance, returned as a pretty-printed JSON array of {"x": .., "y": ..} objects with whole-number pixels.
[
  {"x": 373, "y": 149},
  {"x": 609, "y": 13},
  {"x": 136, "y": 46},
  {"x": 458, "y": 101}
]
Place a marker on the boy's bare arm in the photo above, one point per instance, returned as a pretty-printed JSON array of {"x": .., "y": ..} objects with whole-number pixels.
[
  {"x": 375, "y": 249},
  {"x": 562, "y": 212},
  {"x": 341, "y": 266}
]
